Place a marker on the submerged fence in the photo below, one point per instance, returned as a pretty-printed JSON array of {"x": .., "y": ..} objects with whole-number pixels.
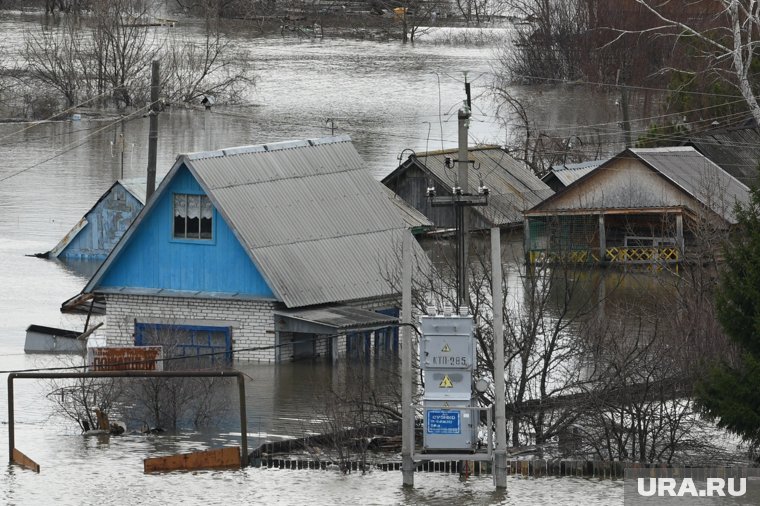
[{"x": 535, "y": 468}]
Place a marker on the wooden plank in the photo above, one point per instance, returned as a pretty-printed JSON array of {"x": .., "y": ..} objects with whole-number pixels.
[
  {"x": 24, "y": 461},
  {"x": 220, "y": 458}
]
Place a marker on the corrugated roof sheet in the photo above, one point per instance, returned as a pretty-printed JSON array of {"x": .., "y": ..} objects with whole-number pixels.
[
  {"x": 318, "y": 226},
  {"x": 571, "y": 172},
  {"x": 698, "y": 176},
  {"x": 513, "y": 187},
  {"x": 137, "y": 186},
  {"x": 340, "y": 317},
  {"x": 411, "y": 216},
  {"x": 736, "y": 150}
]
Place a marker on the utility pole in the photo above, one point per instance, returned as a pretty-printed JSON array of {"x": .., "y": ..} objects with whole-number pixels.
[
  {"x": 407, "y": 413},
  {"x": 461, "y": 199},
  {"x": 500, "y": 453},
  {"x": 462, "y": 213},
  {"x": 153, "y": 132}
]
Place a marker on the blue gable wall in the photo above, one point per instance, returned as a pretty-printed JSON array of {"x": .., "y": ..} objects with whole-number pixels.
[
  {"x": 106, "y": 223},
  {"x": 153, "y": 259}
]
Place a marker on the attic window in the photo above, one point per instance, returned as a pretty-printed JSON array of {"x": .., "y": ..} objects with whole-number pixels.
[{"x": 193, "y": 215}]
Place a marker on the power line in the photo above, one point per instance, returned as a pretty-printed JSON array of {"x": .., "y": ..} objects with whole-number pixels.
[
  {"x": 74, "y": 146},
  {"x": 50, "y": 118},
  {"x": 209, "y": 354}
]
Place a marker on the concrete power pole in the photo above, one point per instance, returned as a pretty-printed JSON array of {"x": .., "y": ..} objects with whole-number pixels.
[
  {"x": 462, "y": 213},
  {"x": 407, "y": 413},
  {"x": 153, "y": 132},
  {"x": 500, "y": 454}
]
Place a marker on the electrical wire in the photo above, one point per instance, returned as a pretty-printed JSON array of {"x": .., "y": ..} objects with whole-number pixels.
[
  {"x": 210, "y": 354},
  {"x": 50, "y": 118},
  {"x": 76, "y": 144}
]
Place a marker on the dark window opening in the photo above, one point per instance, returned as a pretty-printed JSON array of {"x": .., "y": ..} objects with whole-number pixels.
[{"x": 193, "y": 217}]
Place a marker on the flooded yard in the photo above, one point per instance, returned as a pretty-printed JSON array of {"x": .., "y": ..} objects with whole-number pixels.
[{"x": 390, "y": 98}]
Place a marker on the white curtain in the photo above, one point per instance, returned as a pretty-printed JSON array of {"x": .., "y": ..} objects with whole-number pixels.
[
  {"x": 206, "y": 208},
  {"x": 180, "y": 205},
  {"x": 193, "y": 206}
]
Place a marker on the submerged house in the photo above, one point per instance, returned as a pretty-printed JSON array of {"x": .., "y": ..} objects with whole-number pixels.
[
  {"x": 95, "y": 235},
  {"x": 267, "y": 252},
  {"x": 512, "y": 187},
  {"x": 642, "y": 206}
]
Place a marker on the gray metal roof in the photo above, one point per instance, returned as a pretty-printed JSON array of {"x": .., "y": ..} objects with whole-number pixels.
[
  {"x": 698, "y": 176},
  {"x": 513, "y": 187},
  {"x": 736, "y": 150},
  {"x": 414, "y": 219},
  {"x": 340, "y": 317},
  {"x": 315, "y": 222},
  {"x": 570, "y": 172},
  {"x": 137, "y": 186}
]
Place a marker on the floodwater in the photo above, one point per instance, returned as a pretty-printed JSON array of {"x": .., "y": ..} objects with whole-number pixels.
[{"x": 388, "y": 97}]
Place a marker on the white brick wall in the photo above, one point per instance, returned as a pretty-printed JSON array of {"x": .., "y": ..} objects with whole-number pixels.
[{"x": 251, "y": 321}]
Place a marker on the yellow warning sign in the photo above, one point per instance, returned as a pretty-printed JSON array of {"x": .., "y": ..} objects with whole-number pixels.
[
  {"x": 446, "y": 348},
  {"x": 446, "y": 383}
]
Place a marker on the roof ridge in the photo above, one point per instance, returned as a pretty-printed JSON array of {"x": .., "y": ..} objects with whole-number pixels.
[
  {"x": 265, "y": 148},
  {"x": 482, "y": 147}
]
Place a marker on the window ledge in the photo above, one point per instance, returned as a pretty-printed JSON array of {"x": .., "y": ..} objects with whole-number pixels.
[{"x": 200, "y": 242}]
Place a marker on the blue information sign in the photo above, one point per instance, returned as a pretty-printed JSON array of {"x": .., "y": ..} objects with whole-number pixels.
[{"x": 443, "y": 422}]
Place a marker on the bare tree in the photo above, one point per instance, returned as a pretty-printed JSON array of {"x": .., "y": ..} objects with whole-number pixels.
[
  {"x": 540, "y": 149},
  {"x": 55, "y": 59},
  {"x": 123, "y": 46},
  {"x": 732, "y": 37},
  {"x": 169, "y": 403},
  {"x": 206, "y": 68}
]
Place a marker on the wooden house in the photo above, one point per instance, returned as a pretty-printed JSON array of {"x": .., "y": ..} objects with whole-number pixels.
[
  {"x": 95, "y": 235},
  {"x": 512, "y": 187},
  {"x": 264, "y": 252},
  {"x": 643, "y": 206}
]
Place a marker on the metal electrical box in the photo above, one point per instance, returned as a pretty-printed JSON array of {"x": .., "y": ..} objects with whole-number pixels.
[
  {"x": 447, "y": 342},
  {"x": 449, "y": 425},
  {"x": 448, "y": 360}
]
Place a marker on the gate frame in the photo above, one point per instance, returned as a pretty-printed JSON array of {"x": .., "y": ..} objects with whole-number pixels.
[{"x": 132, "y": 374}]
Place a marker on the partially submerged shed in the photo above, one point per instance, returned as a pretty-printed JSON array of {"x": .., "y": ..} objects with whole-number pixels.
[
  {"x": 95, "y": 235},
  {"x": 512, "y": 187}
]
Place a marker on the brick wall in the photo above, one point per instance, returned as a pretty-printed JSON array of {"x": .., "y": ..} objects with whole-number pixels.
[{"x": 251, "y": 321}]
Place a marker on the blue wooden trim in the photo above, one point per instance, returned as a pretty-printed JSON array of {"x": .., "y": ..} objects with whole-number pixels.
[
  {"x": 153, "y": 259},
  {"x": 196, "y": 337}
]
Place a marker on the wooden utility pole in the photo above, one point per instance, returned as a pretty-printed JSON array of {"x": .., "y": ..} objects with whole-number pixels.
[{"x": 153, "y": 132}]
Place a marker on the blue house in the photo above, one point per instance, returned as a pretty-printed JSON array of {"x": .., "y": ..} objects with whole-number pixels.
[
  {"x": 95, "y": 235},
  {"x": 266, "y": 252}
]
